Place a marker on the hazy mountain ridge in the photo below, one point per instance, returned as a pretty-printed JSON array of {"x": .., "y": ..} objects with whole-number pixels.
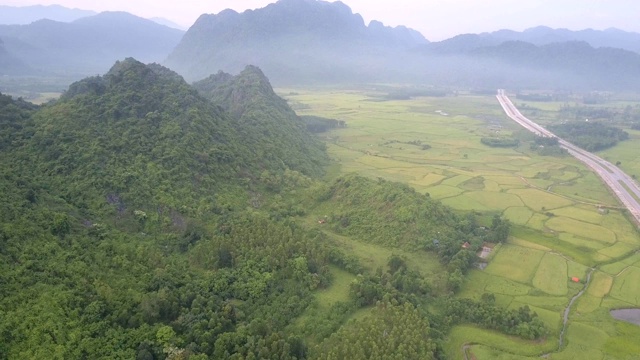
[
  {"x": 310, "y": 41},
  {"x": 22, "y": 15},
  {"x": 543, "y": 35},
  {"x": 9, "y": 64},
  {"x": 88, "y": 45},
  {"x": 582, "y": 65},
  {"x": 290, "y": 39}
]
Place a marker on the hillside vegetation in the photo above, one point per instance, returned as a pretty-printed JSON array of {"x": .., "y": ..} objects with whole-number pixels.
[{"x": 137, "y": 221}]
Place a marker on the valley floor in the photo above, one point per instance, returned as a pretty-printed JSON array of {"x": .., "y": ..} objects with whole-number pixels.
[{"x": 566, "y": 222}]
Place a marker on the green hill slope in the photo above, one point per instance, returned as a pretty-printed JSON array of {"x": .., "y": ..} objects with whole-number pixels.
[
  {"x": 277, "y": 137},
  {"x": 123, "y": 231}
]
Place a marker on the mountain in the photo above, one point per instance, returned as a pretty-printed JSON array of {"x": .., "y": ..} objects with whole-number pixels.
[
  {"x": 168, "y": 23},
  {"x": 9, "y": 64},
  {"x": 22, "y": 15},
  {"x": 474, "y": 59},
  {"x": 138, "y": 125},
  {"x": 292, "y": 40},
  {"x": 125, "y": 212},
  {"x": 578, "y": 64},
  {"x": 277, "y": 136},
  {"x": 543, "y": 35},
  {"x": 460, "y": 44},
  {"x": 88, "y": 45}
]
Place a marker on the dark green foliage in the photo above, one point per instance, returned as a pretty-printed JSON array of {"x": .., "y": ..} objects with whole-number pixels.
[
  {"x": 138, "y": 136},
  {"x": 395, "y": 215},
  {"x": 547, "y": 146},
  {"x": 136, "y": 221},
  {"x": 317, "y": 124},
  {"x": 589, "y": 135},
  {"x": 499, "y": 231},
  {"x": 388, "y": 213},
  {"x": 278, "y": 138},
  {"x": 500, "y": 142},
  {"x": 121, "y": 234},
  {"x": 15, "y": 118},
  {"x": 520, "y": 322},
  {"x": 391, "y": 332},
  {"x": 401, "y": 286}
]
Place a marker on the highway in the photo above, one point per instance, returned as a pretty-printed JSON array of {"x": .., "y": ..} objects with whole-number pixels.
[{"x": 621, "y": 184}]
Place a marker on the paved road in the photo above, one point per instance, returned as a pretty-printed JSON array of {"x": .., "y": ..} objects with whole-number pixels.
[{"x": 622, "y": 185}]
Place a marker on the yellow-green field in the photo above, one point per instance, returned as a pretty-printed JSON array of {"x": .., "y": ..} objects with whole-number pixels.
[{"x": 560, "y": 231}]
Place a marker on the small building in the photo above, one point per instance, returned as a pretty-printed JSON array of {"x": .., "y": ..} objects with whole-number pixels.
[
  {"x": 466, "y": 245},
  {"x": 575, "y": 279},
  {"x": 436, "y": 242}
]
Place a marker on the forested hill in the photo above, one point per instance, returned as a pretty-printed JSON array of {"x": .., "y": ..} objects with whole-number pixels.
[
  {"x": 277, "y": 136},
  {"x": 123, "y": 231},
  {"x": 122, "y": 134},
  {"x": 293, "y": 40},
  {"x": 141, "y": 219}
]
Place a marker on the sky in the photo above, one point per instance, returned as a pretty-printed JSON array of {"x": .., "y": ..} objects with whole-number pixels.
[{"x": 435, "y": 19}]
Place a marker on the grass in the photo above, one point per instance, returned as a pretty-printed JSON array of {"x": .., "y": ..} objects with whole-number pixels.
[
  {"x": 539, "y": 200},
  {"x": 626, "y": 286},
  {"x": 588, "y": 304},
  {"x": 485, "y": 200},
  {"x": 338, "y": 291},
  {"x": 587, "y": 214},
  {"x": 581, "y": 228},
  {"x": 519, "y": 214},
  {"x": 617, "y": 250},
  {"x": 485, "y": 352},
  {"x": 496, "y": 341},
  {"x": 499, "y": 285},
  {"x": 600, "y": 284},
  {"x": 516, "y": 263},
  {"x": 624, "y": 343},
  {"x": 551, "y": 276}
]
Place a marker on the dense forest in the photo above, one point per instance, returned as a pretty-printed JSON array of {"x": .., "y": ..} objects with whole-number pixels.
[
  {"x": 140, "y": 219},
  {"x": 589, "y": 135}
]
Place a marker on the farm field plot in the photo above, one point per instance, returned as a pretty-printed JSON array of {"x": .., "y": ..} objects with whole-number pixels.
[
  {"x": 583, "y": 213},
  {"x": 581, "y": 228},
  {"x": 626, "y": 286},
  {"x": 559, "y": 231},
  {"x": 516, "y": 263},
  {"x": 552, "y": 276},
  {"x": 540, "y": 200},
  {"x": 600, "y": 285},
  {"x": 518, "y": 215}
]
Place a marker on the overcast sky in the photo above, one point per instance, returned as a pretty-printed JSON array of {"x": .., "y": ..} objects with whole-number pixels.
[{"x": 435, "y": 19}]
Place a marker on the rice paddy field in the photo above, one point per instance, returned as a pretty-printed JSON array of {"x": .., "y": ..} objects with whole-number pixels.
[{"x": 565, "y": 221}]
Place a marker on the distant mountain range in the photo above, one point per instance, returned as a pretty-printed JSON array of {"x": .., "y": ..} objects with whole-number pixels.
[
  {"x": 9, "y": 64},
  {"x": 313, "y": 41},
  {"x": 22, "y": 15},
  {"x": 543, "y": 35},
  {"x": 291, "y": 40},
  {"x": 88, "y": 45}
]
